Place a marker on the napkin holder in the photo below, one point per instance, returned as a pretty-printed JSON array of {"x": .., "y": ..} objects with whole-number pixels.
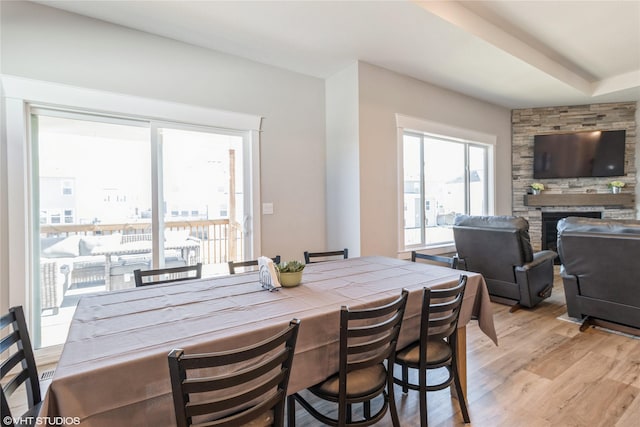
[{"x": 268, "y": 274}]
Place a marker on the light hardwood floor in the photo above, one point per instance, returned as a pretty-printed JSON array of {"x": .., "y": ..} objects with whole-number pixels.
[{"x": 543, "y": 373}]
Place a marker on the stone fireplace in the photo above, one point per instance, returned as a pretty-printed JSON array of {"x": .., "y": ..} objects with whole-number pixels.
[{"x": 570, "y": 196}]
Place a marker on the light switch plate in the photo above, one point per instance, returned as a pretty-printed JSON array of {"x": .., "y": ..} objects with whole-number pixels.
[{"x": 267, "y": 208}]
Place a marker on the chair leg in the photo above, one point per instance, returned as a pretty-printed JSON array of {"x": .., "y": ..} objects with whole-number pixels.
[
  {"x": 348, "y": 414},
  {"x": 405, "y": 378},
  {"x": 461, "y": 399},
  {"x": 515, "y": 308},
  {"x": 422, "y": 384},
  {"x": 291, "y": 411},
  {"x": 392, "y": 403}
]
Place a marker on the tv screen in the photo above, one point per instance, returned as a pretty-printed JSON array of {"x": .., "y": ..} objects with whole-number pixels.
[{"x": 579, "y": 154}]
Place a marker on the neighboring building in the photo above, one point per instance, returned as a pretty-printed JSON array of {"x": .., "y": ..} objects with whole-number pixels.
[{"x": 58, "y": 202}]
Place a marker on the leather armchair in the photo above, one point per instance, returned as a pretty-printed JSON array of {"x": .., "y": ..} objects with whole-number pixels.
[
  {"x": 600, "y": 268},
  {"x": 499, "y": 248}
]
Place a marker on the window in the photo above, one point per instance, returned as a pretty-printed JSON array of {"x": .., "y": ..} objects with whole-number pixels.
[
  {"x": 55, "y": 218},
  {"x": 67, "y": 188},
  {"x": 442, "y": 177}
]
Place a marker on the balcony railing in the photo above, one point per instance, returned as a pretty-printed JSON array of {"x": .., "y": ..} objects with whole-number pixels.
[{"x": 221, "y": 240}]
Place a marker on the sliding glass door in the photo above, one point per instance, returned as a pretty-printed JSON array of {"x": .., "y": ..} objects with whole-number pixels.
[
  {"x": 203, "y": 192},
  {"x": 112, "y": 195}
]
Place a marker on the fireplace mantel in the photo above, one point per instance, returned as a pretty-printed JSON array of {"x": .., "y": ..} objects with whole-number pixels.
[{"x": 625, "y": 200}]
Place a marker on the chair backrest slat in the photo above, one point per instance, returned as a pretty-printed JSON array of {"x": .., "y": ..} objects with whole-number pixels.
[
  {"x": 372, "y": 332},
  {"x": 9, "y": 340},
  {"x": 365, "y": 363},
  {"x": 370, "y": 345},
  {"x": 235, "y": 400},
  {"x": 247, "y": 415},
  {"x": 344, "y": 253},
  {"x": 251, "y": 263},
  {"x": 18, "y": 345},
  {"x": 245, "y": 382},
  {"x": 175, "y": 274},
  {"x": 450, "y": 262},
  {"x": 201, "y": 385},
  {"x": 443, "y": 326},
  {"x": 364, "y": 331},
  {"x": 207, "y": 360}
]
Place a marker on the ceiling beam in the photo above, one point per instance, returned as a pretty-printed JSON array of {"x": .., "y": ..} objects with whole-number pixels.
[
  {"x": 460, "y": 16},
  {"x": 617, "y": 83}
]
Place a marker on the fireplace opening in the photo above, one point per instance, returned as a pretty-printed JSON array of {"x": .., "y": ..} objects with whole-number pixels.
[{"x": 550, "y": 224}]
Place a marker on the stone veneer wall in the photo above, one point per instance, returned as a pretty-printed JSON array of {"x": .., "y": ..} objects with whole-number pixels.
[{"x": 533, "y": 121}]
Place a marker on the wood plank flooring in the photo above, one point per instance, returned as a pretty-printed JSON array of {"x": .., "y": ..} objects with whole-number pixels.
[{"x": 544, "y": 373}]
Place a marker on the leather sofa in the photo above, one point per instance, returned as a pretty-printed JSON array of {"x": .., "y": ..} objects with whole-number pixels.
[
  {"x": 500, "y": 249},
  {"x": 600, "y": 268}
]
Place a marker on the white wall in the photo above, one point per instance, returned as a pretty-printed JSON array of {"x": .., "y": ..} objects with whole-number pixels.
[
  {"x": 47, "y": 44},
  {"x": 4, "y": 258},
  {"x": 384, "y": 93},
  {"x": 343, "y": 164},
  {"x": 352, "y": 202}
]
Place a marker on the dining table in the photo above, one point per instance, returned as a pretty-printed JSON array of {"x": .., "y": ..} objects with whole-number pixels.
[{"x": 113, "y": 369}]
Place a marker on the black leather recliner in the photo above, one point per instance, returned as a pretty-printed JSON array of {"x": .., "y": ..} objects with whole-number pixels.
[
  {"x": 499, "y": 248},
  {"x": 600, "y": 268}
]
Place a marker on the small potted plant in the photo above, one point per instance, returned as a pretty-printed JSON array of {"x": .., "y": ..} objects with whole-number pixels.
[
  {"x": 537, "y": 187},
  {"x": 290, "y": 273},
  {"x": 616, "y": 186}
]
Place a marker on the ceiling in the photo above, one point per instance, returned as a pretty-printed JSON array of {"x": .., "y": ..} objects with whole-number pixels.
[{"x": 517, "y": 54}]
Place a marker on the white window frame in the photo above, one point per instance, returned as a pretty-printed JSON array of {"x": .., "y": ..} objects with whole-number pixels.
[
  {"x": 19, "y": 94},
  {"x": 440, "y": 130}
]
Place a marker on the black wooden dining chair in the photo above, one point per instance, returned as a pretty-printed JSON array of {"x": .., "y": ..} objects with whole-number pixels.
[
  {"x": 368, "y": 338},
  {"x": 17, "y": 346},
  {"x": 324, "y": 256},
  {"x": 436, "y": 348},
  {"x": 450, "y": 262},
  {"x": 252, "y": 263},
  {"x": 247, "y": 388},
  {"x": 167, "y": 275}
]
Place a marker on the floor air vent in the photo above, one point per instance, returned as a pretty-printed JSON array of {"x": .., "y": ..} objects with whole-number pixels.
[{"x": 46, "y": 375}]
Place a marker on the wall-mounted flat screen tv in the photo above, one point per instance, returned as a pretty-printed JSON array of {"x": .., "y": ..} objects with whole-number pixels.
[{"x": 579, "y": 154}]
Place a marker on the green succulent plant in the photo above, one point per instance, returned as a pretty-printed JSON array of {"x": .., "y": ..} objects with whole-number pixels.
[{"x": 290, "y": 267}]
